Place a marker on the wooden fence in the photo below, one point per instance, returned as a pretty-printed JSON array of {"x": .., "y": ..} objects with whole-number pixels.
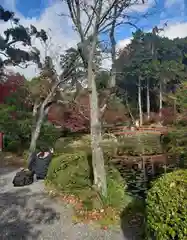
[{"x": 120, "y": 130}]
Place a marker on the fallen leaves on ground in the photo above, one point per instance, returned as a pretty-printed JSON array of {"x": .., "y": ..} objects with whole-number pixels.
[{"x": 103, "y": 217}]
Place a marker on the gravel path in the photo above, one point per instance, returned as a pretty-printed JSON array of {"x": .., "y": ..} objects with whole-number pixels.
[{"x": 27, "y": 213}]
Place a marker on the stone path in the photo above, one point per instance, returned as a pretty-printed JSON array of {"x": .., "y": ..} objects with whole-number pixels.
[{"x": 28, "y": 213}]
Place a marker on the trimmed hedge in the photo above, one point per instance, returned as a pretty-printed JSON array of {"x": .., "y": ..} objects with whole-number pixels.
[
  {"x": 136, "y": 144},
  {"x": 71, "y": 173},
  {"x": 139, "y": 143},
  {"x": 167, "y": 207}
]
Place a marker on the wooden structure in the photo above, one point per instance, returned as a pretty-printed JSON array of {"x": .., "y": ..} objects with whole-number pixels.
[
  {"x": 146, "y": 163},
  {"x": 140, "y": 157},
  {"x": 125, "y": 130}
]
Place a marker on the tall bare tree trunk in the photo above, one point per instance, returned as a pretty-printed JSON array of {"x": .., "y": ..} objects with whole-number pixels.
[
  {"x": 160, "y": 99},
  {"x": 87, "y": 49},
  {"x": 175, "y": 110},
  {"x": 96, "y": 137},
  {"x": 129, "y": 110},
  {"x": 148, "y": 100},
  {"x": 36, "y": 132},
  {"x": 38, "y": 121},
  {"x": 140, "y": 101}
]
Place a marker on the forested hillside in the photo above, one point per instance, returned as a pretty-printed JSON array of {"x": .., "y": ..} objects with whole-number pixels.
[{"x": 150, "y": 70}]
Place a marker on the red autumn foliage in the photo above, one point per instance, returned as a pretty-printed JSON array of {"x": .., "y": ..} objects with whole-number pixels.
[
  {"x": 76, "y": 116},
  {"x": 12, "y": 84},
  {"x": 167, "y": 117},
  {"x": 73, "y": 116},
  {"x": 68, "y": 117}
]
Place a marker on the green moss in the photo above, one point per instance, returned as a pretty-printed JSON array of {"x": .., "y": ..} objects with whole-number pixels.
[
  {"x": 167, "y": 207},
  {"x": 72, "y": 174},
  {"x": 73, "y": 144}
]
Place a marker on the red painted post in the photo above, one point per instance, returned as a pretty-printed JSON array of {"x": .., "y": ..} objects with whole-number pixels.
[{"x": 1, "y": 141}]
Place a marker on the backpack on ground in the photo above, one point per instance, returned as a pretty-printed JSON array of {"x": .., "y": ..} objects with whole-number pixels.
[{"x": 23, "y": 178}]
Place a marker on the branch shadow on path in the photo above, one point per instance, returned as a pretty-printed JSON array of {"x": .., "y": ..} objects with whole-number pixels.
[{"x": 22, "y": 212}]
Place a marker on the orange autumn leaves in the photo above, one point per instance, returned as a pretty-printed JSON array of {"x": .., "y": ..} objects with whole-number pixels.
[{"x": 103, "y": 217}]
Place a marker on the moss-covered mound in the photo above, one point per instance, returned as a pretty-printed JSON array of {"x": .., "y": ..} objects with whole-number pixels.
[
  {"x": 71, "y": 173},
  {"x": 167, "y": 207}
]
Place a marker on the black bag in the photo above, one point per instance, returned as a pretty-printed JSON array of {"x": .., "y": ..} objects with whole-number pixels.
[
  {"x": 42, "y": 164},
  {"x": 23, "y": 178}
]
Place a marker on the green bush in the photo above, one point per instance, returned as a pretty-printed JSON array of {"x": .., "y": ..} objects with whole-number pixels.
[
  {"x": 48, "y": 136},
  {"x": 135, "y": 144},
  {"x": 19, "y": 142},
  {"x": 12, "y": 146},
  {"x": 117, "y": 196},
  {"x": 175, "y": 143},
  {"x": 72, "y": 174},
  {"x": 83, "y": 143},
  {"x": 139, "y": 143},
  {"x": 167, "y": 207},
  {"x": 73, "y": 144}
]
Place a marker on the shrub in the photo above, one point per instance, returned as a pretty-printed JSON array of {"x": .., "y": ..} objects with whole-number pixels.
[
  {"x": 167, "y": 207},
  {"x": 139, "y": 143},
  {"x": 135, "y": 144},
  {"x": 72, "y": 174},
  {"x": 117, "y": 196},
  {"x": 48, "y": 136},
  {"x": 83, "y": 143},
  {"x": 73, "y": 144},
  {"x": 175, "y": 143},
  {"x": 18, "y": 142},
  {"x": 12, "y": 146}
]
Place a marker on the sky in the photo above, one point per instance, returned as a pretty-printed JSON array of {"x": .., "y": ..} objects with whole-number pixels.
[{"x": 47, "y": 15}]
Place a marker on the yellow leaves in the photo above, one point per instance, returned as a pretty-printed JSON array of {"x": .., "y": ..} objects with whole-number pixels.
[
  {"x": 40, "y": 87},
  {"x": 172, "y": 184},
  {"x": 104, "y": 216}
]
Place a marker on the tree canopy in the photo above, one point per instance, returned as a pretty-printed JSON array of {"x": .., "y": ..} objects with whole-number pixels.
[
  {"x": 15, "y": 38},
  {"x": 162, "y": 71}
]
